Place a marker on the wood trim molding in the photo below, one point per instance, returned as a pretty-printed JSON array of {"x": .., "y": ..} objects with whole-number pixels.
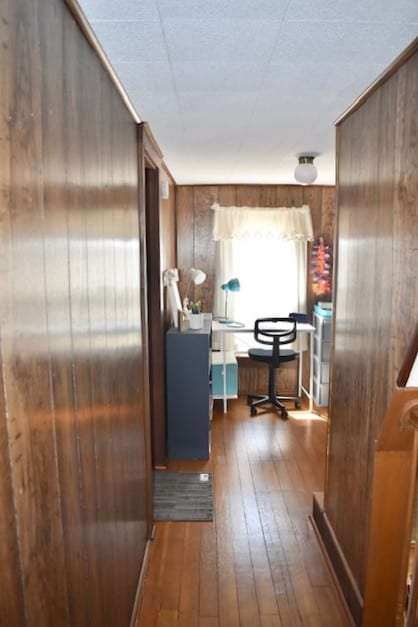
[
  {"x": 140, "y": 587},
  {"x": 336, "y": 560},
  {"x": 89, "y": 34},
  {"x": 152, "y": 151},
  {"x": 399, "y": 61}
]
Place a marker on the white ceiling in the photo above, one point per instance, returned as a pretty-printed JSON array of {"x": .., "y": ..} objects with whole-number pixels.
[{"x": 234, "y": 90}]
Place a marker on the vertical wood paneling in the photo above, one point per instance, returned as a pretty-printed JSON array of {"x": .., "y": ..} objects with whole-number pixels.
[
  {"x": 289, "y": 195},
  {"x": 376, "y": 295},
  {"x": 185, "y": 236},
  {"x": 31, "y": 428},
  {"x": 405, "y": 224},
  {"x": 248, "y": 195},
  {"x": 11, "y": 593},
  {"x": 203, "y": 244},
  {"x": 312, "y": 196},
  {"x": 267, "y": 196},
  {"x": 367, "y": 324},
  {"x": 328, "y": 213},
  {"x": 227, "y": 195},
  {"x": 74, "y": 441},
  {"x": 11, "y": 590},
  {"x": 59, "y": 317}
]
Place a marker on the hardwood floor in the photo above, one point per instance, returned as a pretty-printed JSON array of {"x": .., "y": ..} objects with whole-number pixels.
[{"x": 258, "y": 564}]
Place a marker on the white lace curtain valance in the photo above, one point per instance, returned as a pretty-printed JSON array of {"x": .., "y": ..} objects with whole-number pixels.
[{"x": 293, "y": 223}]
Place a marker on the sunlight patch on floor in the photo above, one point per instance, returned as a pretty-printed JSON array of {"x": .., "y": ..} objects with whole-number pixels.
[{"x": 306, "y": 415}]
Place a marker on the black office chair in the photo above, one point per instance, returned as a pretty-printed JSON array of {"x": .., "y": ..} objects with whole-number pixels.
[{"x": 275, "y": 332}]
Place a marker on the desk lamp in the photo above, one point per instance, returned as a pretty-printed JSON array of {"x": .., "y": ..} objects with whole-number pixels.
[
  {"x": 196, "y": 277},
  {"x": 232, "y": 285}
]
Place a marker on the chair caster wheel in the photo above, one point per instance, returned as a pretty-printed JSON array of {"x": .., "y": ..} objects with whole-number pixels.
[
  {"x": 298, "y": 405},
  {"x": 253, "y": 411},
  {"x": 283, "y": 414}
]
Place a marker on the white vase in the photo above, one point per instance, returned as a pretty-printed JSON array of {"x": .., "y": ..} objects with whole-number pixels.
[{"x": 196, "y": 321}]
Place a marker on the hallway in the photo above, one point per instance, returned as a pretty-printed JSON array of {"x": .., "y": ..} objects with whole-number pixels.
[{"x": 259, "y": 563}]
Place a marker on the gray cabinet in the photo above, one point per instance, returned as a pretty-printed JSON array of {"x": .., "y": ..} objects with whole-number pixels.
[
  {"x": 321, "y": 358},
  {"x": 189, "y": 403}
]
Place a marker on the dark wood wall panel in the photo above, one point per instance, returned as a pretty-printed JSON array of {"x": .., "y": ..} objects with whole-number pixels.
[
  {"x": 74, "y": 444},
  {"x": 11, "y": 590},
  {"x": 405, "y": 224},
  {"x": 195, "y": 246},
  {"x": 376, "y": 292},
  {"x": 168, "y": 248}
]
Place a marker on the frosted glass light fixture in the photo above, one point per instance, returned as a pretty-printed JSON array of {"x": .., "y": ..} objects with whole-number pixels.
[{"x": 305, "y": 171}]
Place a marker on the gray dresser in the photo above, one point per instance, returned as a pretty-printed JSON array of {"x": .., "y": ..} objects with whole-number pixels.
[{"x": 189, "y": 402}]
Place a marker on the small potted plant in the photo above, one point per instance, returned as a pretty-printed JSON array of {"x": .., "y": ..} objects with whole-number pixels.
[{"x": 196, "y": 316}]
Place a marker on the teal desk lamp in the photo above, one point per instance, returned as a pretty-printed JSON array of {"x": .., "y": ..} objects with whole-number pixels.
[{"x": 232, "y": 285}]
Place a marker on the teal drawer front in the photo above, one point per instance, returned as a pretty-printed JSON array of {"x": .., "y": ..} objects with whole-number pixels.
[{"x": 231, "y": 380}]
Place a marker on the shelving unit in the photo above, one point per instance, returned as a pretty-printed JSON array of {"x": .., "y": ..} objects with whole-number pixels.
[
  {"x": 229, "y": 387},
  {"x": 189, "y": 400},
  {"x": 321, "y": 358}
]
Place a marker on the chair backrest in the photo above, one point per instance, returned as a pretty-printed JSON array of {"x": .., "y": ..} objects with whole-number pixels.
[{"x": 275, "y": 332}]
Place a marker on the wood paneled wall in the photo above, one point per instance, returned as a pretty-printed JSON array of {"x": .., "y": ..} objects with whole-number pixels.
[
  {"x": 74, "y": 467},
  {"x": 195, "y": 247},
  {"x": 376, "y": 300}
]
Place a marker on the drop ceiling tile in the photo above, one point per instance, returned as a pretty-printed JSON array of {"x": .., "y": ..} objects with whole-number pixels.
[
  {"x": 217, "y": 76},
  {"x": 222, "y": 104},
  {"x": 315, "y": 84},
  {"x": 150, "y": 77},
  {"x": 220, "y": 40},
  {"x": 401, "y": 11},
  {"x": 142, "y": 42},
  {"x": 236, "y": 9},
  {"x": 111, "y": 10},
  {"x": 152, "y": 109},
  {"x": 230, "y": 132},
  {"x": 315, "y": 42},
  {"x": 310, "y": 77}
]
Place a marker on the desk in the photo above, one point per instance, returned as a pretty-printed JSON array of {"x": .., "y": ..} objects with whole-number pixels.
[{"x": 301, "y": 327}]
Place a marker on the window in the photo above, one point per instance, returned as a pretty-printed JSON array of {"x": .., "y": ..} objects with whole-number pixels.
[{"x": 265, "y": 249}]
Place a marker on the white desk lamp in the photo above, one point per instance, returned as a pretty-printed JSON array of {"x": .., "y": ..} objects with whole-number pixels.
[{"x": 196, "y": 277}]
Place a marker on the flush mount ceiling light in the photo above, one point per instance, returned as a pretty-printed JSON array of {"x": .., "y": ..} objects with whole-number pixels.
[{"x": 305, "y": 171}]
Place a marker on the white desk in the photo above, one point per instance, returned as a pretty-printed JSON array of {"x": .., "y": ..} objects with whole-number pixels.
[{"x": 301, "y": 327}]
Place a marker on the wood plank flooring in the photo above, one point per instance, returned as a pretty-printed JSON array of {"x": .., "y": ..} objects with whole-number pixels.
[{"x": 258, "y": 564}]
